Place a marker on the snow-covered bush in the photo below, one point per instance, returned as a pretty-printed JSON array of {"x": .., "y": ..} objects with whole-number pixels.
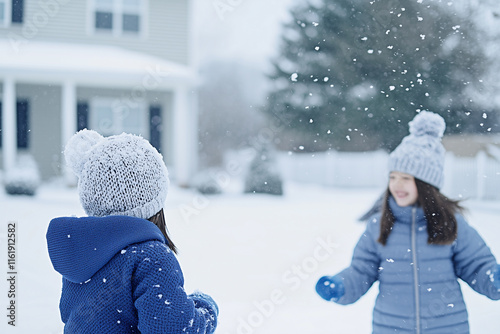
[
  {"x": 206, "y": 182},
  {"x": 24, "y": 178},
  {"x": 263, "y": 175}
]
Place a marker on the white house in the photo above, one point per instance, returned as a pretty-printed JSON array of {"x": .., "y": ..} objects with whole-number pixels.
[{"x": 109, "y": 65}]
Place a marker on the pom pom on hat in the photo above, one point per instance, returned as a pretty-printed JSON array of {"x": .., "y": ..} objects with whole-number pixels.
[
  {"x": 427, "y": 123},
  {"x": 421, "y": 153},
  {"x": 78, "y": 149},
  {"x": 118, "y": 175}
]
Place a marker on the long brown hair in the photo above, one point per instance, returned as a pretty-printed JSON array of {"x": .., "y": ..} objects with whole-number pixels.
[
  {"x": 159, "y": 220},
  {"x": 439, "y": 213}
]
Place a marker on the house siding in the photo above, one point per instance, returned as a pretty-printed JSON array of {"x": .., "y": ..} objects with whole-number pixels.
[
  {"x": 171, "y": 31},
  {"x": 166, "y": 34}
]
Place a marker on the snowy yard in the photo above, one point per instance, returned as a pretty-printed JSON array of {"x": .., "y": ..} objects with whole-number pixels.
[{"x": 259, "y": 256}]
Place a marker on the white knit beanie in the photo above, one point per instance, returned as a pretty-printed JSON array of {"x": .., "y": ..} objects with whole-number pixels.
[
  {"x": 118, "y": 175},
  {"x": 421, "y": 153}
]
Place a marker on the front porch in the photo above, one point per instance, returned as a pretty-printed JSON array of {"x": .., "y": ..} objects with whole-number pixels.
[{"x": 48, "y": 91}]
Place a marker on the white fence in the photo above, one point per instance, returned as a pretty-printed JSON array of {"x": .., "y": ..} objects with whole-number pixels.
[{"x": 477, "y": 177}]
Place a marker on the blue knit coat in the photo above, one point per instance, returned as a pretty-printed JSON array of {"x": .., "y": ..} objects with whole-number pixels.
[
  {"x": 418, "y": 287},
  {"x": 119, "y": 276}
]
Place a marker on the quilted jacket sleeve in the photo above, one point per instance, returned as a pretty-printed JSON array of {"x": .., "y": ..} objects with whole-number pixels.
[
  {"x": 161, "y": 302},
  {"x": 363, "y": 271},
  {"x": 473, "y": 261}
]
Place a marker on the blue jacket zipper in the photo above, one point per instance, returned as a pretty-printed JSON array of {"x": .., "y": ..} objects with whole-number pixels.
[{"x": 415, "y": 266}]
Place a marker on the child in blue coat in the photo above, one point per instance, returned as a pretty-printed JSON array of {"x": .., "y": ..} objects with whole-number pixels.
[
  {"x": 120, "y": 273},
  {"x": 417, "y": 246}
]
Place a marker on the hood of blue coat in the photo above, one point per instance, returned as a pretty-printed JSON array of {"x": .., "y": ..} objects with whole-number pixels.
[
  {"x": 403, "y": 214},
  {"x": 79, "y": 247}
]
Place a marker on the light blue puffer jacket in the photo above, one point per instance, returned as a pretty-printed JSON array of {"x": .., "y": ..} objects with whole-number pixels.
[{"x": 419, "y": 291}]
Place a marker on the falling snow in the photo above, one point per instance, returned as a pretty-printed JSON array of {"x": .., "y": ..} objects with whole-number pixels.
[{"x": 317, "y": 201}]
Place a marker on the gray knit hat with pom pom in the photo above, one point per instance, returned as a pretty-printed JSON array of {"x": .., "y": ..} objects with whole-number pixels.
[
  {"x": 118, "y": 175},
  {"x": 421, "y": 153}
]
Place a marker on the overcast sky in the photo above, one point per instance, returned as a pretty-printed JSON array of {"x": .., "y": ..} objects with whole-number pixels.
[{"x": 247, "y": 30}]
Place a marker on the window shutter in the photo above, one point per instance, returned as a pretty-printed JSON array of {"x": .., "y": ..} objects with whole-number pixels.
[
  {"x": 17, "y": 11},
  {"x": 82, "y": 116},
  {"x": 22, "y": 109},
  {"x": 155, "y": 126}
]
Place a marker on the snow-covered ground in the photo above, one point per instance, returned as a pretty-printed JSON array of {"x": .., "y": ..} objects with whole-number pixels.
[{"x": 259, "y": 256}]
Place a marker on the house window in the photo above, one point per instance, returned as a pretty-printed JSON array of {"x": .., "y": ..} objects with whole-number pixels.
[
  {"x": 104, "y": 14},
  {"x": 118, "y": 16},
  {"x": 131, "y": 15},
  {"x": 112, "y": 117}
]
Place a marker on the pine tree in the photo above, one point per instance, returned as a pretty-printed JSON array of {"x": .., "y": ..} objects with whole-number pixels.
[
  {"x": 263, "y": 176},
  {"x": 352, "y": 73}
]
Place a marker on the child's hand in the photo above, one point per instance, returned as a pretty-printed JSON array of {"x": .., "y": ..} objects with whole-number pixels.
[
  {"x": 204, "y": 301},
  {"x": 330, "y": 288},
  {"x": 496, "y": 277}
]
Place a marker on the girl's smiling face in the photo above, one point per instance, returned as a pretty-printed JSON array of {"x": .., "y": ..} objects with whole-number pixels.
[{"x": 403, "y": 188}]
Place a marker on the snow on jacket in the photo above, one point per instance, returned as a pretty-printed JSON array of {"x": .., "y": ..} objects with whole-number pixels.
[
  {"x": 418, "y": 287},
  {"x": 119, "y": 276}
]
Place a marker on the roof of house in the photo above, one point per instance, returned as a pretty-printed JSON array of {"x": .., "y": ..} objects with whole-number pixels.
[
  {"x": 96, "y": 65},
  {"x": 468, "y": 145}
]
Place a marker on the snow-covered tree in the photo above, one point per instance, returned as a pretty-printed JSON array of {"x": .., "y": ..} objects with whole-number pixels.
[
  {"x": 352, "y": 73},
  {"x": 263, "y": 176}
]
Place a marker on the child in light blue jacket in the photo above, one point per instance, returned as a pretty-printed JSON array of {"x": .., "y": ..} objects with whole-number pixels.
[
  {"x": 120, "y": 273},
  {"x": 417, "y": 246}
]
